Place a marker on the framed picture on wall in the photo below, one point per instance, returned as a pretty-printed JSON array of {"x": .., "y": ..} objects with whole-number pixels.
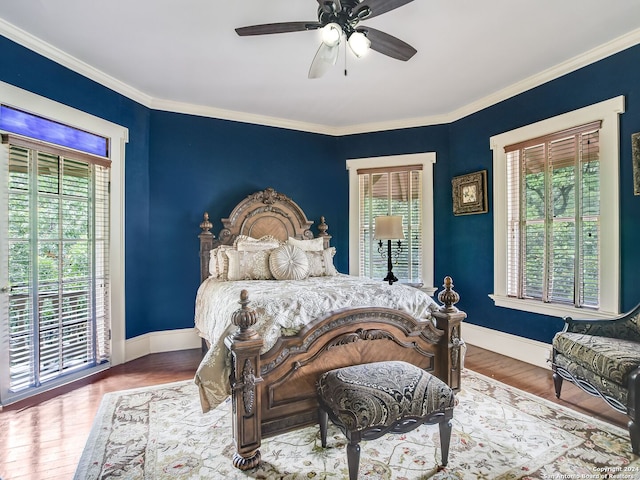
[{"x": 470, "y": 193}]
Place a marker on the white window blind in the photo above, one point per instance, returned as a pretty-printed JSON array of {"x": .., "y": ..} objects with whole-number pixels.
[
  {"x": 58, "y": 263},
  {"x": 391, "y": 191},
  {"x": 553, "y": 214}
]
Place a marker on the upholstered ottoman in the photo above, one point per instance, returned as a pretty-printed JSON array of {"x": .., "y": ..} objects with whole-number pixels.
[{"x": 370, "y": 400}]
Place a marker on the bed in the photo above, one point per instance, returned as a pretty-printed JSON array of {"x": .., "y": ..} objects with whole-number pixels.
[{"x": 274, "y": 314}]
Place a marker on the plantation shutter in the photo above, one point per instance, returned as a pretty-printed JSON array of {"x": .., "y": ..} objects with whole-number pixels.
[
  {"x": 553, "y": 212},
  {"x": 391, "y": 191},
  {"x": 58, "y": 262}
]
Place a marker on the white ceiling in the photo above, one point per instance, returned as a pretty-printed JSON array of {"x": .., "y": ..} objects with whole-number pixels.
[{"x": 184, "y": 56}]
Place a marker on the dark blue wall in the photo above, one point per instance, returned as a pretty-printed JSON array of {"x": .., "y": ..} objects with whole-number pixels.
[
  {"x": 30, "y": 71},
  {"x": 201, "y": 164},
  {"x": 178, "y": 166}
]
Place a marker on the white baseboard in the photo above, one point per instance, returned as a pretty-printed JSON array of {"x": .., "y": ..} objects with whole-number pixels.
[
  {"x": 165, "y": 341},
  {"x": 520, "y": 348}
]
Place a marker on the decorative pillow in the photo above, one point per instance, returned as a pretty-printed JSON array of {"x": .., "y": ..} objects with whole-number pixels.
[
  {"x": 249, "y": 265},
  {"x": 219, "y": 262},
  {"x": 321, "y": 263},
  {"x": 213, "y": 263},
  {"x": 241, "y": 238},
  {"x": 288, "y": 263},
  {"x": 250, "y": 244},
  {"x": 314, "y": 245}
]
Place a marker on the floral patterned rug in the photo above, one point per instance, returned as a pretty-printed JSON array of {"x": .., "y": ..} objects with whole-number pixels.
[{"x": 498, "y": 433}]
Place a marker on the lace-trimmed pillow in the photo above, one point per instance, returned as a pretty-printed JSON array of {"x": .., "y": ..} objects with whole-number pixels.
[
  {"x": 288, "y": 263},
  {"x": 219, "y": 262},
  {"x": 313, "y": 245},
  {"x": 249, "y": 265},
  {"x": 321, "y": 263},
  {"x": 250, "y": 244}
]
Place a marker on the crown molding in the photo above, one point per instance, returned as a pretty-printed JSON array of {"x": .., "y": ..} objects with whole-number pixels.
[
  {"x": 52, "y": 53},
  {"x": 37, "y": 45},
  {"x": 602, "y": 51},
  {"x": 244, "y": 117},
  {"x": 599, "y": 53}
]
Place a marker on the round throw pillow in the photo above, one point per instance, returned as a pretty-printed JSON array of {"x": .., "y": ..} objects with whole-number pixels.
[{"x": 288, "y": 263}]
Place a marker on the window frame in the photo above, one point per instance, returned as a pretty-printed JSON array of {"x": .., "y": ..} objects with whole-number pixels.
[
  {"x": 608, "y": 112},
  {"x": 119, "y": 136},
  {"x": 427, "y": 160},
  {"x": 44, "y": 290}
]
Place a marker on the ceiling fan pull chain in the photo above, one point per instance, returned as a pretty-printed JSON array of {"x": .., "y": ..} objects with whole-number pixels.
[{"x": 345, "y": 59}]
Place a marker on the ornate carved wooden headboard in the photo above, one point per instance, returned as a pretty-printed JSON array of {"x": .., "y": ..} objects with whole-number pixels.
[{"x": 265, "y": 212}]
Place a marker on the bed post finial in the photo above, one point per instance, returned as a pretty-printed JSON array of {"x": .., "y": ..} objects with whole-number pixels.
[
  {"x": 448, "y": 296},
  {"x": 206, "y": 225},
  {"x": 244, "y": 318},
  {"x": 322, "y": 232},
  {"x": 322, "y": 227}
]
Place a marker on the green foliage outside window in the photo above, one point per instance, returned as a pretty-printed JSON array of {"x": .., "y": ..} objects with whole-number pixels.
[
  {"x": 560, "y": 224},
  {"x": 59, "y": 201}
]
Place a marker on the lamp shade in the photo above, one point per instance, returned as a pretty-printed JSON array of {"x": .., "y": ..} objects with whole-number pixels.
[{"x": 388, "y": 228}]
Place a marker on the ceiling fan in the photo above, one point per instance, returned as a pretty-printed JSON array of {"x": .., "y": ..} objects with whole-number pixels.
[{"x": 338, "y": 19}]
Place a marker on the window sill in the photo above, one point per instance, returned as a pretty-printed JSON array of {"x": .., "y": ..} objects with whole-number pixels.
[{"x": 553, "y": 310}]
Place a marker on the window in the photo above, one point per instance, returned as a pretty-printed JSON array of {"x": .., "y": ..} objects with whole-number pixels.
[
  {"x": 553, "y": 195},
  {"x": 61, "y": 244},
  {"x": 556, "y": 214},
  {"x": 391, "y": 191},
  {"x": 58, "y": 252},
  {"x": 400, "y": 185}
]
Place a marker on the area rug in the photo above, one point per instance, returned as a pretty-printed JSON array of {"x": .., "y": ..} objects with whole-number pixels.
[{"x": 498, "y": 433}]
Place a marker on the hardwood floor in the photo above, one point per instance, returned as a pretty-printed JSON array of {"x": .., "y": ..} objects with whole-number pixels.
[
  {"x": 43, "y": 438},
  {"x": 538, "y": 381}
]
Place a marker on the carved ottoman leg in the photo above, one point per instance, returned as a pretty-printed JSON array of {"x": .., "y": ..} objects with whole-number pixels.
[
  {"x": 634, "y": 433},
  {"x": 323, "y": 419},
  {"x": 353, "y": 460},
  {"x": 557, "y": 383},
  {"x": 445, "y": 440},
  {"x": 633, "y": 408}
]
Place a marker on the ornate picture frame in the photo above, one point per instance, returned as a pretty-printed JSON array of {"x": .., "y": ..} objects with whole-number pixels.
[
  {"x": 635, "y": 153},
  {"x": 470, "y": 193}
]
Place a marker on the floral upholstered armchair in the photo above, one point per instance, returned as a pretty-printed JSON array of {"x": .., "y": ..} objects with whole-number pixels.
[{"x": 602, "y": 357}]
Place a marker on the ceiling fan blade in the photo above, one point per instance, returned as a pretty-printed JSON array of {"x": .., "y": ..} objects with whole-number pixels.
[
  {"x": 387, "y": 44},
  {"x": 325, "y": 58},
  {"x": 330, "y": 6},
  {"x": 284, "y": 27},
  {"x": 376, "y": 7}
]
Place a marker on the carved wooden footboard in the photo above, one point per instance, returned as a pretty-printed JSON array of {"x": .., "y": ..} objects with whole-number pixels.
[{"x": 276, "y": 392}]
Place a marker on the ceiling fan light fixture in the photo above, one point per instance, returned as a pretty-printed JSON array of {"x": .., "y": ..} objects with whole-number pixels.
[
  {"x": 359, "y": 44},
  {"x": 331, "y": 34}
]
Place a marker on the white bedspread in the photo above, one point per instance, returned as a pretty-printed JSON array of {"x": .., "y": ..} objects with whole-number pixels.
[{"x": 283, "y": 308}]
